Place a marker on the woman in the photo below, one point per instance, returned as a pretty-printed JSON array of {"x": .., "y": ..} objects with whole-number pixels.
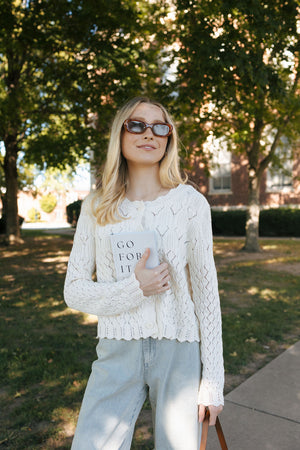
[{"x": 150, "y": 324}]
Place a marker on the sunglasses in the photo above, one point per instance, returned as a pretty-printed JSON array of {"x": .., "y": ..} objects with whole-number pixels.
[{"x": 139, "y": 127}]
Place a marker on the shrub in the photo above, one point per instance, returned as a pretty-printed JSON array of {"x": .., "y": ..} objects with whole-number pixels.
[
  {"x": 229, "y": 223},
  {"x": 272, "y": 222},
  {"x": 280, "y": 222},
  {"x": 48, "y": 203},
  {"x": 73, "y": 211},
  {"x": 3, "y": 223},
  {"x": 33, "y": 215}
]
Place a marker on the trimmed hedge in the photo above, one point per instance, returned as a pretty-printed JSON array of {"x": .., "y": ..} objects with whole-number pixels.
[
  {"x": 229, "y": 223},
  {"x": 280, "y": 222},
  {"x": 272, "y": 222},
  {"x": 73, "y": 211}
]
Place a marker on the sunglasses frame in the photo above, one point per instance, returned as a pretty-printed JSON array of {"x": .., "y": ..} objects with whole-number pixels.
[{"x": 148, "y": 125}]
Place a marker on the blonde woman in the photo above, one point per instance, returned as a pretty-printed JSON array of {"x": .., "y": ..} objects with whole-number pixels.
[{"x": 159, "y": 329}]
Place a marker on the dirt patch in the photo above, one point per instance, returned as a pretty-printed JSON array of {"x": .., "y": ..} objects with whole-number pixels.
[
  {"x": 275, "y": 258},
  {"x": 292, "y": 268}
]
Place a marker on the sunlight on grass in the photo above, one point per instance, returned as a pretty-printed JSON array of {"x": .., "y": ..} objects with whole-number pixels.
[
  {"x": 89, "y": 319},
  {"x": 9, "y": 278},
  {"x": 55, "y": 259},
  {"x": 281, "y": 260},
  {"x": 269, "y": 247},
  {"x": 76, "y": 386},
  {"x": 47, "y": 349},
  {"x": 222, "y": 247},
  {"x": 19, "y": 394},
  {"x": 65, "y": 312},
  {"x": 13, "y": 290},
  {"x": 84, "y": 318},
  {"x": 253, "y": 290},
  {"x": 63, "y": 414},
  {"x": 269, "y": 294},
  {"x": 20, "y": 304}
]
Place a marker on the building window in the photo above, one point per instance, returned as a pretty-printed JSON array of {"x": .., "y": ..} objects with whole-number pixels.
[
  {"x": 220, "y": 173},
  {"x": 280, "y": 172}
]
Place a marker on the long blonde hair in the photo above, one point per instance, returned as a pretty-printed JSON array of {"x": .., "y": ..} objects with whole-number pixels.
[{"x": 112, "y": 190}]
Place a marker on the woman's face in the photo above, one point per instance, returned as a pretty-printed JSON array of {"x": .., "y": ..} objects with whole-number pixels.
[{"x": 146, "y": 148}]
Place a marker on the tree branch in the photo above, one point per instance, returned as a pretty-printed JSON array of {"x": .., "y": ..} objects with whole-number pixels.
[{"x": 265, "y": 161}]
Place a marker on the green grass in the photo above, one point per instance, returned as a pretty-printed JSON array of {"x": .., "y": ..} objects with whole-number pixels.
[
  {"x": 260, "y": 305},
  {"x": 47, "y": 349}
]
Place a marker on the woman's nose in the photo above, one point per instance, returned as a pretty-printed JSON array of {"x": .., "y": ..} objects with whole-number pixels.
[{"x": 148, "y": 134}]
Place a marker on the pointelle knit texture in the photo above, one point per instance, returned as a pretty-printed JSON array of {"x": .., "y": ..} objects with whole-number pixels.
[{"x": 188, "y": 311}]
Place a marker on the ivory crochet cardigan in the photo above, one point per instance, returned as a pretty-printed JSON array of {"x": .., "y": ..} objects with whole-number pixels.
[{"x": 188, "y": 311}]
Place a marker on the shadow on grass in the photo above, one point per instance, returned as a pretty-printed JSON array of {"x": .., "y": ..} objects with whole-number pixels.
[{"x": 47, "y": 349}]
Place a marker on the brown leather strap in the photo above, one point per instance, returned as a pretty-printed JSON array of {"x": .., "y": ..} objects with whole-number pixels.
[
  {"x": 205, "y": 432},
  {"x": 221, "y": 435}
]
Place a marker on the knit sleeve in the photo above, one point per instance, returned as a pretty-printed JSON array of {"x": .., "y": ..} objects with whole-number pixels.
[
  {"x": 81, "y": 292},
  {"x": 207, "y": 304}
]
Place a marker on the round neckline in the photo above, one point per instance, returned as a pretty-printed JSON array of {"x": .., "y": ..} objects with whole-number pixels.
[{"x": 156, "y": 200}]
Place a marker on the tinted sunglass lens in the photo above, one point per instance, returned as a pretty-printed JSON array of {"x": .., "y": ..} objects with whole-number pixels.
[
  {"x": 160, "y": 129},
  {"x": 139, "y": 127},
  {"x": 135, "y": 126}
]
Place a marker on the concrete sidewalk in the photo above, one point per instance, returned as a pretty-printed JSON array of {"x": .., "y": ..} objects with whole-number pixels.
[
  {"x": 50, "y": 228},
  {"x": 263, "y": 413}
]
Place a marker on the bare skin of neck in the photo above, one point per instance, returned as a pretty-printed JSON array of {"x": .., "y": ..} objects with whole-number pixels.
[{"x": 144, "y": 183}]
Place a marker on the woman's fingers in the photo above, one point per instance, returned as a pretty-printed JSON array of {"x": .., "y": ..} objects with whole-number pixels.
[
  {"x": 214, "y": 411},
  {"x": 201, "y": 413},
  {"x": 163, "y": 280},
  {"x": 153, "y": 281}
]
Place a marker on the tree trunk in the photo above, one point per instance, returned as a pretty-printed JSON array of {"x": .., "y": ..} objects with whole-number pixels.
[
  {"x": 252, "y": 223},
  {"x": 11, "y": 181}
]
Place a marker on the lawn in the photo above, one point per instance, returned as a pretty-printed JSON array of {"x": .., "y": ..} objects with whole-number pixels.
[{"x": 47, "y": 349}]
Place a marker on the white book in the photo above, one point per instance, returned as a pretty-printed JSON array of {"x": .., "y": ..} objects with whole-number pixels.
[{"x": 128, "y": 248}]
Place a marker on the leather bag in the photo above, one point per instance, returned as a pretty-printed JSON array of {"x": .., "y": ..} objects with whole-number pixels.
[{"x": 205, "y": 432}]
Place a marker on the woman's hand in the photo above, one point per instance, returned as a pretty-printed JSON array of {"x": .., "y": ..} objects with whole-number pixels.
[
  {"x": 152, "y": 281},
  {"x": 214, "y": 411}
]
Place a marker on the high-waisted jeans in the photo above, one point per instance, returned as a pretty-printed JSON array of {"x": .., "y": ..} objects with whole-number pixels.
[{"x": 117, "y": 389}]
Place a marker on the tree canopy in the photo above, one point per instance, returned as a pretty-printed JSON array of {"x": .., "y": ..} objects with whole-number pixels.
[
  {"x": 65, "y": 67},
  {"x": 238, "y": 76}
]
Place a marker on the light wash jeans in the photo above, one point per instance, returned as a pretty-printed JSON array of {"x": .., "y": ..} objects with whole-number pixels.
[{"x": 117, "y": 389}]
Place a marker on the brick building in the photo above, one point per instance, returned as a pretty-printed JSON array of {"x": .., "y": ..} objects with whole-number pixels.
[{"x": 227, "y": 185}]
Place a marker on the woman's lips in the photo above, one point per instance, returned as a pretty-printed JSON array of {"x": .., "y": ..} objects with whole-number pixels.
[{"x": 147, "y": 147}]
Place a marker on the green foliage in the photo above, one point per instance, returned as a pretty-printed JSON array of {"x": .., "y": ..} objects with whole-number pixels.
[
  {"x": 48, "y": 203},
  {"x": 73, "y": 211},
  {"x": 26, "y": 177},
  {"x": 241, "y": 59},
  {"x": 272, "y": 222},
  {"x": 65, "y": 67},
  {"x": 280, "y": 222},
  {"x": 33, "y": 215},
  {"x": 57, "y": 180},
  {"x": 229, "y": 223},
  {"x": 239, "y": 77},
  {"x": 64, "y": 64}
]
